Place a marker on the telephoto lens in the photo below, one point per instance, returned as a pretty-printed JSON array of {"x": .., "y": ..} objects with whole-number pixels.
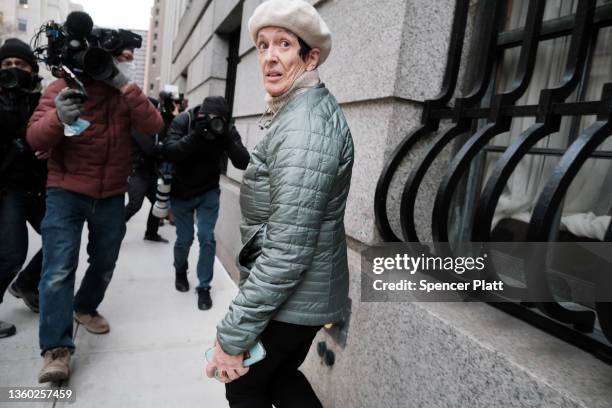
[{"x": 161, "y": 205}]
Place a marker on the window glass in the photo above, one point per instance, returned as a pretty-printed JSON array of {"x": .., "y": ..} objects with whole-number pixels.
[{"x": 588, "y": 202}]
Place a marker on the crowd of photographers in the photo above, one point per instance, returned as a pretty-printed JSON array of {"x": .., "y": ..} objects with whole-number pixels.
[{"x": 68, "y": 155}]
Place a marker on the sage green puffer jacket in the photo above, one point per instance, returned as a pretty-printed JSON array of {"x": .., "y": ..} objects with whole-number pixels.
[{"x": 293, "y": 264}]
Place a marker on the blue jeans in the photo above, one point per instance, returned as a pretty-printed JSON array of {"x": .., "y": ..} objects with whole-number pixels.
[
  {"x": 61, "y": 231},
  {"x": 16, "y": 209},
  {"x": 206, "y": 208}
]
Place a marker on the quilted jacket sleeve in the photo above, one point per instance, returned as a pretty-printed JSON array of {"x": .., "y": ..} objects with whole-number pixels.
[
  {"x": 143, "y": 115},
  {"x": 303, "y": 164}
]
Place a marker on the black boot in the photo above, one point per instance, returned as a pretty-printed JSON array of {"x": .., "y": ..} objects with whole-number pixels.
[
  {"x": 6, "y": 329},
  {"x": 29, "y": 297},
  {"x": 204, "y": 300},
  {"x": 181, "y": 283},
  {"x": 155, "y": 238}
]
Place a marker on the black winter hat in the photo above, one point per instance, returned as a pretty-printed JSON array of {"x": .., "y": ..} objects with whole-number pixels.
[
  {"x": 215, "y": 105},
  {"x": 15, "y": 48}
]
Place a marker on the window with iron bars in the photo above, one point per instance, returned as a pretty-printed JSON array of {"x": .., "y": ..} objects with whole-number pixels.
[{"x": 531, "y": 149}]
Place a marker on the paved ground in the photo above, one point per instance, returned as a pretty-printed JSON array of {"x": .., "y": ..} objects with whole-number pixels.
[{"x": 154, "y": 354}]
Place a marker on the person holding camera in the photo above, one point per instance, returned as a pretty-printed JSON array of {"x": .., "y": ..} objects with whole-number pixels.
[
  {"x": 88, "y": 171},
  {"x": 23, "y": 175},
  {"x": 196, "y": 144},
  {"x": 145, "y": 162}
]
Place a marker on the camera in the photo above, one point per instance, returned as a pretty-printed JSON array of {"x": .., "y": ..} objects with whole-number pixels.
[
  {"x": 115, "y": 41},
  {"x": 75, "y": 47},
  {"x": 162, "y": 196},
  {"x": 210, "y": 127}
]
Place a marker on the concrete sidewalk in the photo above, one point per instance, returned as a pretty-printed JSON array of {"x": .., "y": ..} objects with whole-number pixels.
[{"x": 154, "y": 353}]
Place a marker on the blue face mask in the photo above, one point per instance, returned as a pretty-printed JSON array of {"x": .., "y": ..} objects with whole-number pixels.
[{"x": 76, "y": 128}]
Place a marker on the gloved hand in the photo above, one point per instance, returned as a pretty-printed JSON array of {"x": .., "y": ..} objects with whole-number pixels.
[
  {"x": 200, "y": 130},
  {"x": 118, "y": 81},
  {"x": 230, "y": 135},
  {"x": 69, "y": 105}
]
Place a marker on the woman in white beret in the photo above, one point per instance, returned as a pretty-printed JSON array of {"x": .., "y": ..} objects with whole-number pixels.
[{"x": 293, "y": 265}]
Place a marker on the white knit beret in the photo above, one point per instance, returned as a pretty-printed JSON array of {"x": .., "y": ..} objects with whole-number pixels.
[{"x": 297, "y": 16}]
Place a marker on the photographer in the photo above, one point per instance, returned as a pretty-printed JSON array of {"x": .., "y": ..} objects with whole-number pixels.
[
  {"x": 22, "y": 175},
  {"x": 196, "y": 143},
  {"x": 143, "y": 180},
  {"x": 88, "y": 172}
]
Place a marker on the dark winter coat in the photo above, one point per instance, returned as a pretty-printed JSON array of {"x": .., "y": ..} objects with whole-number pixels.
[{"x": 197, "y": 161}]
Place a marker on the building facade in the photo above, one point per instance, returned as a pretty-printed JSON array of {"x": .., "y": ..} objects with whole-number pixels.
[
  {"x": 140, "y": 59},
  {"x": 163, "y": 27},
  {"x": 23, "y": 18},
  {"x": 152, "y": 66},
  {"x": 396, "y": 71}
]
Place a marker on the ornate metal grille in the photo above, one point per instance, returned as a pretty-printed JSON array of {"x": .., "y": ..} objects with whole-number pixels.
[{"x": 590, "y": 327}]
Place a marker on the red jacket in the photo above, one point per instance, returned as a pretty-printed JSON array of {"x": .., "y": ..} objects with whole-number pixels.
[{"x": 95, "y": 163}]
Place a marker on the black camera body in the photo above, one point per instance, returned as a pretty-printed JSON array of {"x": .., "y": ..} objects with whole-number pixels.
[
  {"x": 115, "y": 41},
  {"x": 210, "y": 127},
  {"x": 80, "y": 48}
]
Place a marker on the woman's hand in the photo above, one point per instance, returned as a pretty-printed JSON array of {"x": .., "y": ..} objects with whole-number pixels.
[{"x": 229, "y": 367}]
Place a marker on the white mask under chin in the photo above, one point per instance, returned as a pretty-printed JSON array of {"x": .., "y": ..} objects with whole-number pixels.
[{"x": 127, "y": 68}]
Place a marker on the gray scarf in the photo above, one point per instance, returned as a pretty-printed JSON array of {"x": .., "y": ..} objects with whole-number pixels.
[{"x": 274, "y": 104}]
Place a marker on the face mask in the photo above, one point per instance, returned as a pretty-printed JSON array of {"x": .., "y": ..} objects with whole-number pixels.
[
  {"x": 127, "y": 68},
  {"x": 15, "y": 78}
]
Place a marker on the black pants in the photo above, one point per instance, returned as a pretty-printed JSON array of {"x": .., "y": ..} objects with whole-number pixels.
[
  {"x": 141, "y": 185},
  {"x": 16, "y": 209},
  {"x": 276, "y": 379}
]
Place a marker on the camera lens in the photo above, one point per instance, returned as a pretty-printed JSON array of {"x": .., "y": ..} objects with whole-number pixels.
[
  {"x": 98, "y": 63},
  {"x": 217, "y": 126}
]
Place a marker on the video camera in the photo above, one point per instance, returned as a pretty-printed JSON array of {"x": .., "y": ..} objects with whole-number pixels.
[{"x": 75, "y": 49}]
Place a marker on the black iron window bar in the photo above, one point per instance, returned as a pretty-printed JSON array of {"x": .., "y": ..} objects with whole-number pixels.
[{"x": 576, "y": 327}]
